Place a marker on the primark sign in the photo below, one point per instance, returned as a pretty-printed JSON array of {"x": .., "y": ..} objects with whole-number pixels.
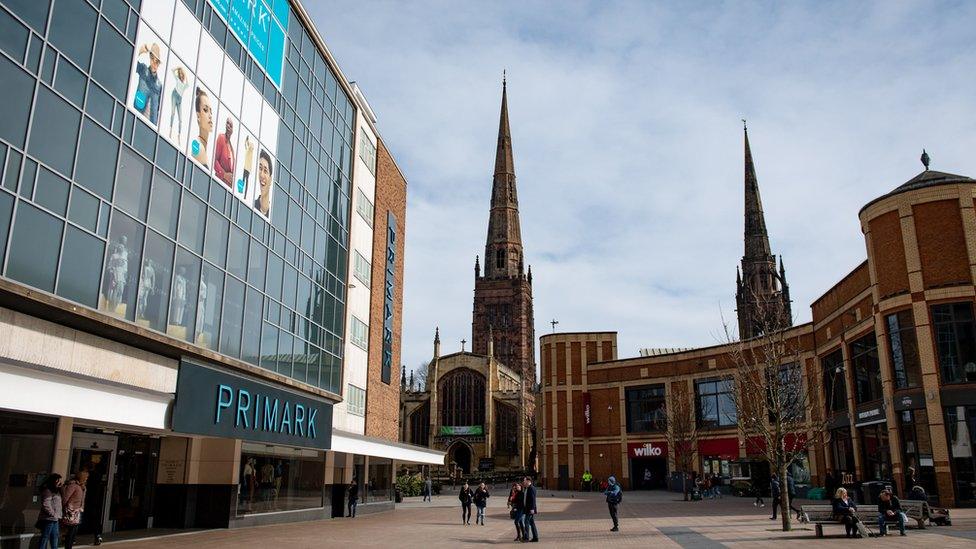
[{"x": 220, "y": 404}]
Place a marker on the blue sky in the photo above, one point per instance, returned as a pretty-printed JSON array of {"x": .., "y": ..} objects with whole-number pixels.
[{"x": 628, "y": 145}]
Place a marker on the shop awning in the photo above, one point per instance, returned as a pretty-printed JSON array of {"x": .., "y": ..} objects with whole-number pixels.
[
  {"x": 725, "y": 448},
  {"x": 352, "y": 443}
]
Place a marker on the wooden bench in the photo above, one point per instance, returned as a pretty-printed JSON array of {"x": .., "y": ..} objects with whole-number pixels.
[{"x": 818, "y": 515}]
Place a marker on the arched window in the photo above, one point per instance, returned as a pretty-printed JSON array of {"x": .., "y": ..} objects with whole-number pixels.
[
  {"x": 499, "y": 258},
  {"x": 462, "y": 396},
  {"x": 506, "y": 429},
  {"x": 420, "y": 425}
]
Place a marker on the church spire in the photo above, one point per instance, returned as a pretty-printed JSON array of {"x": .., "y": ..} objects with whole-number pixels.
[
  {"x": 756, "y": 237},
  {"x": 503, "y": 247}
]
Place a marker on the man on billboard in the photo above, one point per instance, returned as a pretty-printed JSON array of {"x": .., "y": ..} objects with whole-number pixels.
[
  {"x": 224, "y": 154},
  {"x": 149, "y": 88}
]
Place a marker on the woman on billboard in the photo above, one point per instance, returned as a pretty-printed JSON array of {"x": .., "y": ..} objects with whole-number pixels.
[
  {"x": 263, "y": 200},
  {"x": 204, "y": 114}
]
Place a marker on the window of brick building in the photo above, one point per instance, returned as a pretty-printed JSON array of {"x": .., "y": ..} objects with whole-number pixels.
[
  {"x": 905, "y": 363},
  {"x": 645, "y": 409},
  {"x": 955, "y": 338}
]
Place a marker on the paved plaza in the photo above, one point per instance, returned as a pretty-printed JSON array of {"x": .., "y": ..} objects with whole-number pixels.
[{"x": 655, "y": 519}]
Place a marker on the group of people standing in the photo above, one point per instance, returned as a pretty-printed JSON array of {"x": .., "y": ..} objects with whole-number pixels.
[
  {"x": 61, "y": 509},
  {"x": 479, "y": 497}
]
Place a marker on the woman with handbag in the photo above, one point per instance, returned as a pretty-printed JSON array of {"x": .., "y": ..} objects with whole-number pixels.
[
  {"x": 517, "y": 505},
  {"x": 73, "y": 499}
]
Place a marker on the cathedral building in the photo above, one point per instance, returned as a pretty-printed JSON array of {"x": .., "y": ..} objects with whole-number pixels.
[{"x": 479, "y": 406}]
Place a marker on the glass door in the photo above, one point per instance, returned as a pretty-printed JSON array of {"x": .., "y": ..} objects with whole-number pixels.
[{"x": 961, "y": 426}]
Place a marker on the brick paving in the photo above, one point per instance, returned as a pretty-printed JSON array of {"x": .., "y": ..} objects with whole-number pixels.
[{"x": 656, "y": 519}]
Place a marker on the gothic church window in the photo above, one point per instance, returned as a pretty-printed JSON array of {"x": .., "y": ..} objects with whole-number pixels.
[
  {"x": 462, "y": 396},
  {"x": 500, "y": 259},
  {"x": 420, "y": 425}
]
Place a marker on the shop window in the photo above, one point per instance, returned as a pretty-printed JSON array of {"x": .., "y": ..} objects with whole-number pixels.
[
  {"x": 379, "y": 480},
  {"x": 867, "y": 368},
  {"x": 955, "y": 337},
  {"x": 154, "y": 281},
  {"x": 715, "y": 403},
  {"x": 26, "y": 451},
  {"x": 835, "y": 381},
  {"x": 875, "y": 452},
  {"x": 208, "y": 306},
  {"x": 645, "y": 409},
  {"x": 842, "y": 450},
  {"x": 904, "y": 350},
  {"x": 279, "y": 479},
  {"x": 960, "y": 424},
  {"x": 917, "y": 451},
  {"x": 716, "y": 466},
  {"x": 183, "y": 301}
]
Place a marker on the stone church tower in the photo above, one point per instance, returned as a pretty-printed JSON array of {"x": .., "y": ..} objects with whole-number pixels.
[
  {"x": 762, "y": 295},
  {"x": 503, "y": 295}
]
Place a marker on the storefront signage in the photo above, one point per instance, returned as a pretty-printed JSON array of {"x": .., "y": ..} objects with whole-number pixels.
[
  {"x": 389, "y": 287},
  {"x": 260, "y": 29},
  {"x": 587, "y": 415},
  {"x": 870, "y": 416},
  {"x": 486, "y": 464},
  {"x": 215, "y": 403},
  {"x": 461, "y": 430},
  {"x": 647, "y": 449},
  {"x": 909, "y": 401}
]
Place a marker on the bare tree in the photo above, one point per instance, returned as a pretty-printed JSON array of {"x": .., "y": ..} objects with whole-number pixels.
[
  {"x": 420, "y": 376},
  {"x": 777, "y": 400},
  {"x": 681, "y": 430}
]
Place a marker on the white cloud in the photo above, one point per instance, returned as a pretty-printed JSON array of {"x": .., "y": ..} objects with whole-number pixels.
[{"x": 628, "y": 150}]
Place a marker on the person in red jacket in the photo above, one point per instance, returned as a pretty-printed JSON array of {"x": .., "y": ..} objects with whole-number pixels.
[{"x": 224, "y": 155}]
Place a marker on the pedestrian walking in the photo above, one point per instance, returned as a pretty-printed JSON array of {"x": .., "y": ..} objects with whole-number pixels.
[
  {"x": 647, "y": 479},
  {"x": 587, "y": 480},
  {"x": 516, "y": 506},
  {"x": 481, "y": 496},
  {"x": 73, "y": 502},
  {"x": 791, "y": 494},
  {"x": 428, "y": 489},
  {"x": 531, "y": 509},
  {"x": 776, "y": 494},
  {"x": 353, "y": 498},
  {"x": 757, "y": 490},
  {"x": 50, "y": 515},
  {"x": 614, "y": 496},
  {"x": 466, "y": 496}
]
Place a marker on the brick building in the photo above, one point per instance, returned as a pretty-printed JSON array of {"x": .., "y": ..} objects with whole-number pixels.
[
  {"x": 895, "y": 338},
  {"x": 489, "y": 390}
]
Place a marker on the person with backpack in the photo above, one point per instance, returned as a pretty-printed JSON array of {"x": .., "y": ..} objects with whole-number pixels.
[
  {"x": 614, "y": 496},
  {"x": 481, "y": 496}
]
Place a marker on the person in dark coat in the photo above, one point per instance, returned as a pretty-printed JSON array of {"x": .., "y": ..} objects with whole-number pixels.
[
  {"x": 353, "y": 498},
  {"x": 517, "y": 505},
  {"x": 428, "y": 489},
  {"x": 776, "y": 493},
  {"x": 481, "y": 496},
  {"x": 531, "y": 509},
  {"x": 614, "y": 497},
  {"x": 845, "y": 510},
  {"x": 466, "y": 496},
  {"x": 889, "y": 510},
  {"x": 791, "y": 493}
]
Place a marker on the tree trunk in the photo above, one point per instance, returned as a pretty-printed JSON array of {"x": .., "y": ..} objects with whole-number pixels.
[{"x": 784, "y": 497}]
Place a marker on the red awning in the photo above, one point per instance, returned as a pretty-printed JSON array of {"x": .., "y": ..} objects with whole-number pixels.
[
  {"x": 724, "y": 448},
  {"x": 793, "y": 442}
]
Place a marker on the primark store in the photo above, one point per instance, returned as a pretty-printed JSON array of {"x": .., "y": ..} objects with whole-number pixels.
[{"x": 187, "y": 189}]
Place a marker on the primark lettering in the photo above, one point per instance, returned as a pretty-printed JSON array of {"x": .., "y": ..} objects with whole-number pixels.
[{"x": 247, "y": 412}]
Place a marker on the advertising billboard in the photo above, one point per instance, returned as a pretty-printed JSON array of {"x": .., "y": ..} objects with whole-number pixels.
[{"x": 184, "y": 86}]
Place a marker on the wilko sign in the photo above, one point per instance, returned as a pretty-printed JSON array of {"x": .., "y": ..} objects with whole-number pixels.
[
  {"x": 647, "y": 449},
  {"x": 587, "y": 415}
]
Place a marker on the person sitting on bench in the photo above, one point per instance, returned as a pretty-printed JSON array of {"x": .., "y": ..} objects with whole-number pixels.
[
  {"x": 889, "y": 510},
  {"x": 846, "y": 511}
]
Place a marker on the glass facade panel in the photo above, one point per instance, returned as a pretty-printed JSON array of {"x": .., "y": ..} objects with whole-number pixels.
[
  {"x": 81, "y": 265},
  {"x": 54, "y": 131},
  {"x": 97, "y": 156},
  {"x": 835, "y": 381},
  {"x": 6, "y": 212},
  {"x": 867, "y": 369},
  {"x": 101, "y": 57},
  {"x": 15, "y": 95},
  {"x": 716, "y": 405},
  {"x": 645, "y": 409},
  {"x": 905, "y": 361},
  {"x": 34, "y": 247},
  {"x": 917, "y": 454}
]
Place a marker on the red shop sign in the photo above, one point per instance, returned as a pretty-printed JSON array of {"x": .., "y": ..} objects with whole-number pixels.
[
  {"x": 723, "y": 448},
  {"x": 647, "y": 449}
]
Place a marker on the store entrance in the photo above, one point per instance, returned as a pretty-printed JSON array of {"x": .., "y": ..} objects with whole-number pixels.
[
  {"x": 657, "y": 467},
  {"x": 94, "y": 453},
  {"x": 135, "y": 480}
]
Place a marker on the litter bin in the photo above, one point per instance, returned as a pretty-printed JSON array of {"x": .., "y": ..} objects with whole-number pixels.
[
  {"x": 398, "y": 498},
  {"x": 871, "y": 491}
]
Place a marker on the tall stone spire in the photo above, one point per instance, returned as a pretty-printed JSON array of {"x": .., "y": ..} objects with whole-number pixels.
[
  {"x": 503, "y": 248},
  {"x": 762, "y": 295}
]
